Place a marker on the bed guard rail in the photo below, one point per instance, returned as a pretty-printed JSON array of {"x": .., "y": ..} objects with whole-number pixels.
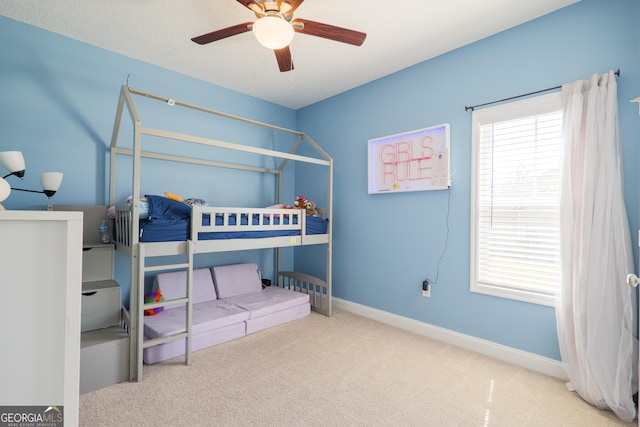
[
  {"x": 207, "y": 219},
  {"x": 317, "y": 289},
  {"x": 122, "y": 226}
]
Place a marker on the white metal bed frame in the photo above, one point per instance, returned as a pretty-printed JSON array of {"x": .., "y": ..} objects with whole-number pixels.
[{"x": 127, "y": 223}]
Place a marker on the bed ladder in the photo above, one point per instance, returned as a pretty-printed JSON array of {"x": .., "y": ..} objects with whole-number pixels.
[{"x": 138, "y": 344}]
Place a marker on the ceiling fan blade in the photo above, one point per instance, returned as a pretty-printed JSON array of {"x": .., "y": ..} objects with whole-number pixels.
[
  {"x": 327, "y": 31},
  {"x": 223, "y": 33},
  {"x": 283, "y": 56}
]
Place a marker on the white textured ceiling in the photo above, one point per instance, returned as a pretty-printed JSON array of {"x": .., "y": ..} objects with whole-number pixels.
[{"x": 400, "y": 33}]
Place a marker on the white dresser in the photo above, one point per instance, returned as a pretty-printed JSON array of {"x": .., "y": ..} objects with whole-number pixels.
[{"x": 40, "y": 287}]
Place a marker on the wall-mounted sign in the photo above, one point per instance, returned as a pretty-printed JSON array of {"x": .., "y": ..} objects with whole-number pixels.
[{"x": 412, "y": 161}]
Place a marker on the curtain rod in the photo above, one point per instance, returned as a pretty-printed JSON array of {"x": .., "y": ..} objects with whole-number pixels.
[{"x": 617, "y": 73}]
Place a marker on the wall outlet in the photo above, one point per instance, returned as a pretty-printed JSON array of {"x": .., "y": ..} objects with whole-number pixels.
[{"x": 426, "y": 289}]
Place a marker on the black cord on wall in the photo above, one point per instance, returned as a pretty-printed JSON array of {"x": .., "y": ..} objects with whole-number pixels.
[{"x": 446, "y": 240}]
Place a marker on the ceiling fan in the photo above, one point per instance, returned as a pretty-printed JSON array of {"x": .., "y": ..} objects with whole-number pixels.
[{"x": 275, "y": 28}]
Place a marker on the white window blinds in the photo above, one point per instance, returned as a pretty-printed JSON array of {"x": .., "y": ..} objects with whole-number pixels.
[{"x": 517, "y": 155}]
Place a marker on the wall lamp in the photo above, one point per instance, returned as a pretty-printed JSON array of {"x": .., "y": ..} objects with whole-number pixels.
[{"x": 13, "y": 161}]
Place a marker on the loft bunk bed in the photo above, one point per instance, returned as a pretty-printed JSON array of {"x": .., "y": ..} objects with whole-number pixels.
[{"x": 209, "y": 229}]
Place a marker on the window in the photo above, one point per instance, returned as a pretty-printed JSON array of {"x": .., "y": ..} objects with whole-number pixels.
[{"x": 515, "y": 235}]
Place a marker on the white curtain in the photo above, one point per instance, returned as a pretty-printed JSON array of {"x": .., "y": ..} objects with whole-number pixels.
[{"x": 595, "y": 309}]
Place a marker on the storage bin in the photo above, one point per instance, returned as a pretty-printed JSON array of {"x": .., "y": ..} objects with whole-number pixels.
[
  {"x": 104, "y": 358},
  {"x": 97, "y": 262},
  {"x": 100, "y": 305}
]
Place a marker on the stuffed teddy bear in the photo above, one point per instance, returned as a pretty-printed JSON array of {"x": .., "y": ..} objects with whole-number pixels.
[
  {"x": 301, "y": 202},
  {"x": 311, "y": 208}
]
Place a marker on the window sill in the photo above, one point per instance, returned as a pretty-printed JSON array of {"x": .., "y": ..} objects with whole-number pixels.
[{"x": 516, "y": 294}]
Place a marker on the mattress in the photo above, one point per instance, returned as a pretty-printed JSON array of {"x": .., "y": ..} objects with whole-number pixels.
[
  {"x": 164, "y": 230},
  {"x": 170, "y": 221}
]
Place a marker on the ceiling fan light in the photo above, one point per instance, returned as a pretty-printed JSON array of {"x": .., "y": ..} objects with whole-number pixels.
[{"x": 273, "y": 32}]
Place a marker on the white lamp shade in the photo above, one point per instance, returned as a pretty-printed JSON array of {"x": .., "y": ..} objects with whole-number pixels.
[
  {"x": 12, "y": 160},
  {"x": 5, "y": 189},
  {"x": 273, "y": 32},
  {"x": 50, "y": 181}
]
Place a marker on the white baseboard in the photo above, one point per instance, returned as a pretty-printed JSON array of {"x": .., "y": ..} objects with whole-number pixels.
[{"x": 517, "y": 357}]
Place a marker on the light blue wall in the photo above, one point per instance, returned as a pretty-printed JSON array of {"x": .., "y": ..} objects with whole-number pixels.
[
  {"x": 60, "y": 100},
  {"x": 385, "y": 245}
]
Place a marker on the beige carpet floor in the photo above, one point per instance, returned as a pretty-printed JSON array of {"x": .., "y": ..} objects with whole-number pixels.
[{"x": 345, "y": 370}]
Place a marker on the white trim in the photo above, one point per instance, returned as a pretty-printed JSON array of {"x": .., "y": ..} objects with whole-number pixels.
[
  {"x": 514, "y": 293},
  {"x": 541, "y": 364}
]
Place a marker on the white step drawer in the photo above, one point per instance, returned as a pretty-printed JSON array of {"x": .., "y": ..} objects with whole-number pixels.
[
  {"x": 100, "y": 305},
  {"x": 97, "y": 262},
  {"x": 104, "y": 358}
]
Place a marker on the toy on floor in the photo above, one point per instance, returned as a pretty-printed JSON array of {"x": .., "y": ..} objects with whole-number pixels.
[{"x": 150, "y": 298}]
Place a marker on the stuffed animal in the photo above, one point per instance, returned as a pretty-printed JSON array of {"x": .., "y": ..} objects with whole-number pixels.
[
  {"x": 173, "y": 196},
  {"x": 150, "y": 298},
  {"x": 301, "y": 202},
  {"x": 311, "y": 208}
]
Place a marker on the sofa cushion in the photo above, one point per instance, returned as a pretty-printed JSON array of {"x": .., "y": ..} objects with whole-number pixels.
[
  {"x": 277, "y": 318},
  {"x": 173, "y": 285},
  {"x": 268, "y": 301},
  {"x": 207, "y": 316},
  {"x": 236, "y": 279},
  {"x": 171, "y": 349}
]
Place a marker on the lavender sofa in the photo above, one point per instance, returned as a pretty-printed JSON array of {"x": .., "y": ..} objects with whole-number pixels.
[{"x": 228, "y": 303}]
